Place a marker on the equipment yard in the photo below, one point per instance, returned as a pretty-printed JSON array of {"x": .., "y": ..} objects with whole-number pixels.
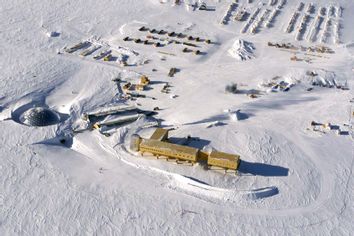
[{"x": 177, "y": 117}]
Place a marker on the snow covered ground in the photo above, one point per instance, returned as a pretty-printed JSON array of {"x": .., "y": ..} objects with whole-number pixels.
[{"x": 292, "y": 180}]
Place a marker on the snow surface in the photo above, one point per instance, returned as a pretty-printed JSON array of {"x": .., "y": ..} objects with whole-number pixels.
[
  {"x": 242, "y": 50},
  {"x": 292, "y": 180}
]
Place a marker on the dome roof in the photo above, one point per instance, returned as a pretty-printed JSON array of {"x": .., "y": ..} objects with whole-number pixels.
[{"x": 39, "y": 116}]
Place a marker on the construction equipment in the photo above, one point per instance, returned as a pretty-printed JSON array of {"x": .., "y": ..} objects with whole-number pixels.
[
  {"x": 185, "y": 50},
  {"x": 166, "y": 88},
  {"x": 107, "y": 58},
  {"x": 127, "y": 87},
  {"x": 143, "y": 28},
  {"x": 172, "y": 72},
  {"x": 171, "y": 34},
  {"x": 137, "y": 41}
]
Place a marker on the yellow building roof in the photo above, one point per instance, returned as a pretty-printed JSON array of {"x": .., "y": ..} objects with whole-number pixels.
[
  {"x": 169, "y": 147},
  {"x": 224, "y": 156},
  {"x": 159, "y": 134}
]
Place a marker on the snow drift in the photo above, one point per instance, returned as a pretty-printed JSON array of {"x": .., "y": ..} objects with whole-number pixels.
[{"x": 242, "y": 50}]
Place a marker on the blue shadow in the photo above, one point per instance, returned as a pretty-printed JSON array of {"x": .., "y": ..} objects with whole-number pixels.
[{"x": 262, "y": 169}]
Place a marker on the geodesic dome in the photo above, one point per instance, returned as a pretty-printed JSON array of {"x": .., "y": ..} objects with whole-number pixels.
[{"x": 39, "y": 116}]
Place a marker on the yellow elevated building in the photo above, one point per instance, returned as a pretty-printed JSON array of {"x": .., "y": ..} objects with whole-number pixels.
[
  {"x": 158, "y": 146},
  {"x": 223, "y": 160},
  {"x": 169, "y": 150},
  {"x": 160, "y": 134}
]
